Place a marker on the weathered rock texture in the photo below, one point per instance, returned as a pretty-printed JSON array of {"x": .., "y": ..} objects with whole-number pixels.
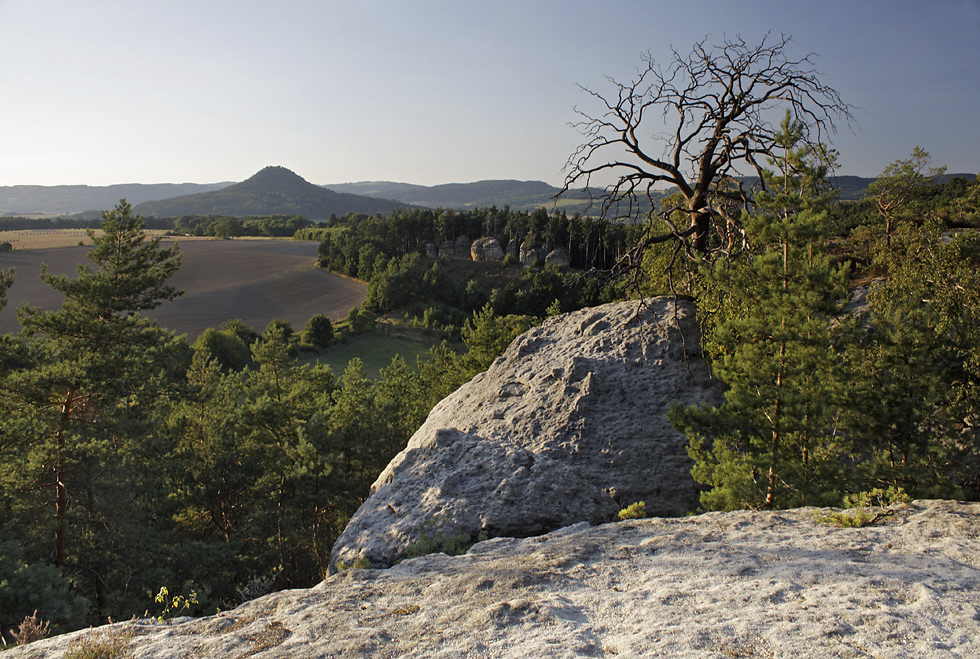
[
  {"x": 486, "y": 249},
  {"x": 566, "y": 426},
  {"x": 529, "y": 255},
  {"x": 742, "y": 584},
  {"x": 558, "y": 257}
]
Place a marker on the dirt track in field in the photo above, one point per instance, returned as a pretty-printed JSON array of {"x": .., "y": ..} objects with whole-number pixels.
[{"x": 255, "y": 280}]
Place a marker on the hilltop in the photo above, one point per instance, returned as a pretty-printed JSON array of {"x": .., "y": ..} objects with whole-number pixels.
[{"x": 271, "y": 191}]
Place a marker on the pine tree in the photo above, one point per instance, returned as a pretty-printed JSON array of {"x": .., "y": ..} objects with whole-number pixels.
[
  {"x": 81, "y": 406},
  {"x": 773, "y": 442}
]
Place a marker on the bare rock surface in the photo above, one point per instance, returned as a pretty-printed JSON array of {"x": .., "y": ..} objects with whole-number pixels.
[
  {"x": 566, "y": 426},
  {"x": 486, "y": 249},
  {"x": 742, "y": 584},
  {"x": 557, "y": 256}
]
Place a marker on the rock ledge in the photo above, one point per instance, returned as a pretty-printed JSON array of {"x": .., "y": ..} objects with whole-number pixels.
[{"x": 741, "y": 584}]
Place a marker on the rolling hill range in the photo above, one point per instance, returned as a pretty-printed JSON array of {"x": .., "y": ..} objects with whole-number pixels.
[
  {"x": 278, "y": 191},
  {"x": 272, "y": 191},
  {"x": 57, "y": 199},
  {"x": 519, "y": 195}
]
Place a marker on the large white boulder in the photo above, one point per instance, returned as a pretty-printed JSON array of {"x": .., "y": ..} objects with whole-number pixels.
[{"x": 566, "y": 426}]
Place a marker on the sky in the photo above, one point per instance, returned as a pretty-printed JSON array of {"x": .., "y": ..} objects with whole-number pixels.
[{"x": 431, "y": 91}]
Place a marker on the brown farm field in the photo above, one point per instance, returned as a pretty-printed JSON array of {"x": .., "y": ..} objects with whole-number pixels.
[{"x": 255, "y": 280}]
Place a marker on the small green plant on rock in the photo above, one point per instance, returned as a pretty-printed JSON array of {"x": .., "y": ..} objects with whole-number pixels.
[
  {"x": 865, "y": 508},
  {"x": 636, "y": 510},
  {"x": 175, "y": 605},
  {"x": 359, "y": 563},
  {"x": 433, "y": 540}
]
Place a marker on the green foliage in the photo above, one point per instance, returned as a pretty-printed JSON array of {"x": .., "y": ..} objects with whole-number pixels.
[
  {"x": 636, "y": 510},
  {"x": 487, "y": 335},
  {"x": 360, "y": 563},
  {"x": 360, "y": 321},
  {"x": 433, "y": 538},
  {"x": 877, "y": 497},
  {"x": 224, "y": 347},
  {"x": 896, "y": 191},
  {"x": 32, "y": 588},
  {"x": 773, "y": 442},
  {"x": 174, "y": 605},
  {"x": 853, "y": 519},
  {"x": 81, "y": 414},
  {"x": 917, "y": 373},
  {"x": 6, "y": 280},
  {"x": 318, "y": 331},
  {"x": 5, "y": 246},
  {"x": 858, "y": 516}
]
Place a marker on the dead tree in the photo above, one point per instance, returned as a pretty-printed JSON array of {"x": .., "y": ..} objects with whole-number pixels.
[{"x": 702, "y": 122}]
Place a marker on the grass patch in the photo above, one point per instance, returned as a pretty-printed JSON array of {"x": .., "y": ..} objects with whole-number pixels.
[{"x": 376, "y": 349}]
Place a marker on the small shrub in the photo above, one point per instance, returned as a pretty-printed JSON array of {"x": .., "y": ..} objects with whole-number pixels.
[
  {"x": 636, "y": 510},
  {"x": 173, "y": 605},
  {"x": 877, "y": 497},
  {"x": 318, "y": 331},
  {"x": 858, "y": 515},
  {"x": 30, "y": 630},
  {"x": 360, "y": 563},
  {"x": 104, "y": 644},
  {"x": 847, "y": 520},
  {"x": 433, "y": 541}
]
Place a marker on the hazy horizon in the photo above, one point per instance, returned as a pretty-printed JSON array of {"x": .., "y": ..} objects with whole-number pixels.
[{"x": 430, "y": 92}]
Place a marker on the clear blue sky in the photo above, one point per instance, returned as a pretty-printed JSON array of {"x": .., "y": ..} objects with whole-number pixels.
[{"x": 429, "y": 91}]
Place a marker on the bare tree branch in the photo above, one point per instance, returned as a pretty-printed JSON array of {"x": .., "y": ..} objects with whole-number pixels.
[{"x": 719, "y": 108}]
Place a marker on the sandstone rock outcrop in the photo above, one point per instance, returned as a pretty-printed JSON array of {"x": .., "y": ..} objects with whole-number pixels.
[
  {"x": 486, "y": 249},
  {"x": 529, "y": 255},
  {"x": 566, "y": 426},
  {"x": 557, "y": 256},
  {"x": 741, "y": 584}
]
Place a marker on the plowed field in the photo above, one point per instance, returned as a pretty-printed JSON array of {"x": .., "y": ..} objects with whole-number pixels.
[{"x": 255, "y": 280}]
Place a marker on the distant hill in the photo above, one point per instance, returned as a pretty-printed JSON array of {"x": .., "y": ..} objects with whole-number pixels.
[
  {"x": 58, "y": 199},
  {"x": 272, "y": 191},
  {"x": 528, "y": 195},
  {"x": 519, "y": 195}
]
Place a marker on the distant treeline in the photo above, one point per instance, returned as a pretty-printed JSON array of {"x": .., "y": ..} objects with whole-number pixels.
[
  {"x": 590, "y": 243},
  {"x": 389, "y": 252},
  {"x": 278, "y": 226}
]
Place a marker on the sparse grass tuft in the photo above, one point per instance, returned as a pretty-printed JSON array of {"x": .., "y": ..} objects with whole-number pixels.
[{"x": 102, "y": 644}]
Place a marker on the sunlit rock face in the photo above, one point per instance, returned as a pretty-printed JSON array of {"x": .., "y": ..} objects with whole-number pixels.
[
  {"x": 486, "y": 249},
  {"x": 740, "y": 584},
  {"x": 566, "y": 426}
]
